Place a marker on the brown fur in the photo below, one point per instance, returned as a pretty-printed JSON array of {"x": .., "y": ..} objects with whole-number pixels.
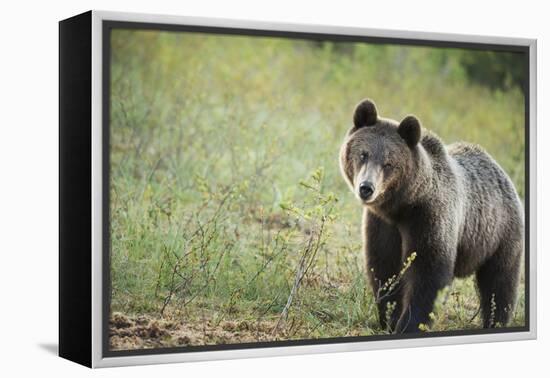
[{"x": 452, "y": 205}]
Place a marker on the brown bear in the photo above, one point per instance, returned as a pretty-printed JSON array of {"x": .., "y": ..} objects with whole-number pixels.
[{"x": 452, "y": 206}]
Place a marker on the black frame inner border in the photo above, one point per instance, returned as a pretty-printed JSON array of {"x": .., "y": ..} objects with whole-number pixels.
[{"x": 109, "y": 25}]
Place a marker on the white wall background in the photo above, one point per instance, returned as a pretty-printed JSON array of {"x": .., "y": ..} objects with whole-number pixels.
[{"x": 28, "y": 185}]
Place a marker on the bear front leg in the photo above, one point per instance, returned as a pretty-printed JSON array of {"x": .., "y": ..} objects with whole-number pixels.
[
  {"x": 420, "y": 294},
  {"x": 383, "y": 253},
  {"x": 431, "y": 270}
]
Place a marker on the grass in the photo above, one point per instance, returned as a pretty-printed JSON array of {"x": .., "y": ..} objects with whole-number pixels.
[{"x": 225, "y": 187}]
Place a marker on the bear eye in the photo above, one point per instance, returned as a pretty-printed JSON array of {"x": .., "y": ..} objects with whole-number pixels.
[
  {"x": 388, "y": 166},
  {"x": 364, "y": 157}
]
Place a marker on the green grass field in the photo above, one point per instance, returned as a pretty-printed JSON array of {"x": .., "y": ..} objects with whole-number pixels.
[{"x": 230, "y": 221}]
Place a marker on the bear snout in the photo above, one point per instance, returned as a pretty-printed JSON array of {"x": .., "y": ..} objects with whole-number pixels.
[{"x": 366, "y": 189}]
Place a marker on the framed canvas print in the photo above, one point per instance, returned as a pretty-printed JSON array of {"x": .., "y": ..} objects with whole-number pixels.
[{"x": 234, "y": 189}]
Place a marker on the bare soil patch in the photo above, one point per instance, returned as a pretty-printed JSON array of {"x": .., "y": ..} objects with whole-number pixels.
[{"x": 140, "y": 332}]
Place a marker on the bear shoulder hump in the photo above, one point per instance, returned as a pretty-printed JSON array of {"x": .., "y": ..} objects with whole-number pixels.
[{"x": 432, "y": 144}]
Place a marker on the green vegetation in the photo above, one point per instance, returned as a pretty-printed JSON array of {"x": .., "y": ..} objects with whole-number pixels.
[{"x": 227, "y": 204}]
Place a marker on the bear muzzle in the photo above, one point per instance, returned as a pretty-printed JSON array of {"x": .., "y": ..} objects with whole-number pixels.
[{"x": 366, "y": 190}]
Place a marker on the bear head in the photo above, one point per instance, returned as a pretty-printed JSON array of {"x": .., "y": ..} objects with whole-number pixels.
[{"x": 379, "y": 156}]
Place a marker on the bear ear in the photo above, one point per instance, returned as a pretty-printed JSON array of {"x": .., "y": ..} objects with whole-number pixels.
[
  {"x": 409, "y": 130},
  {"x": 365, "y": 114}
]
